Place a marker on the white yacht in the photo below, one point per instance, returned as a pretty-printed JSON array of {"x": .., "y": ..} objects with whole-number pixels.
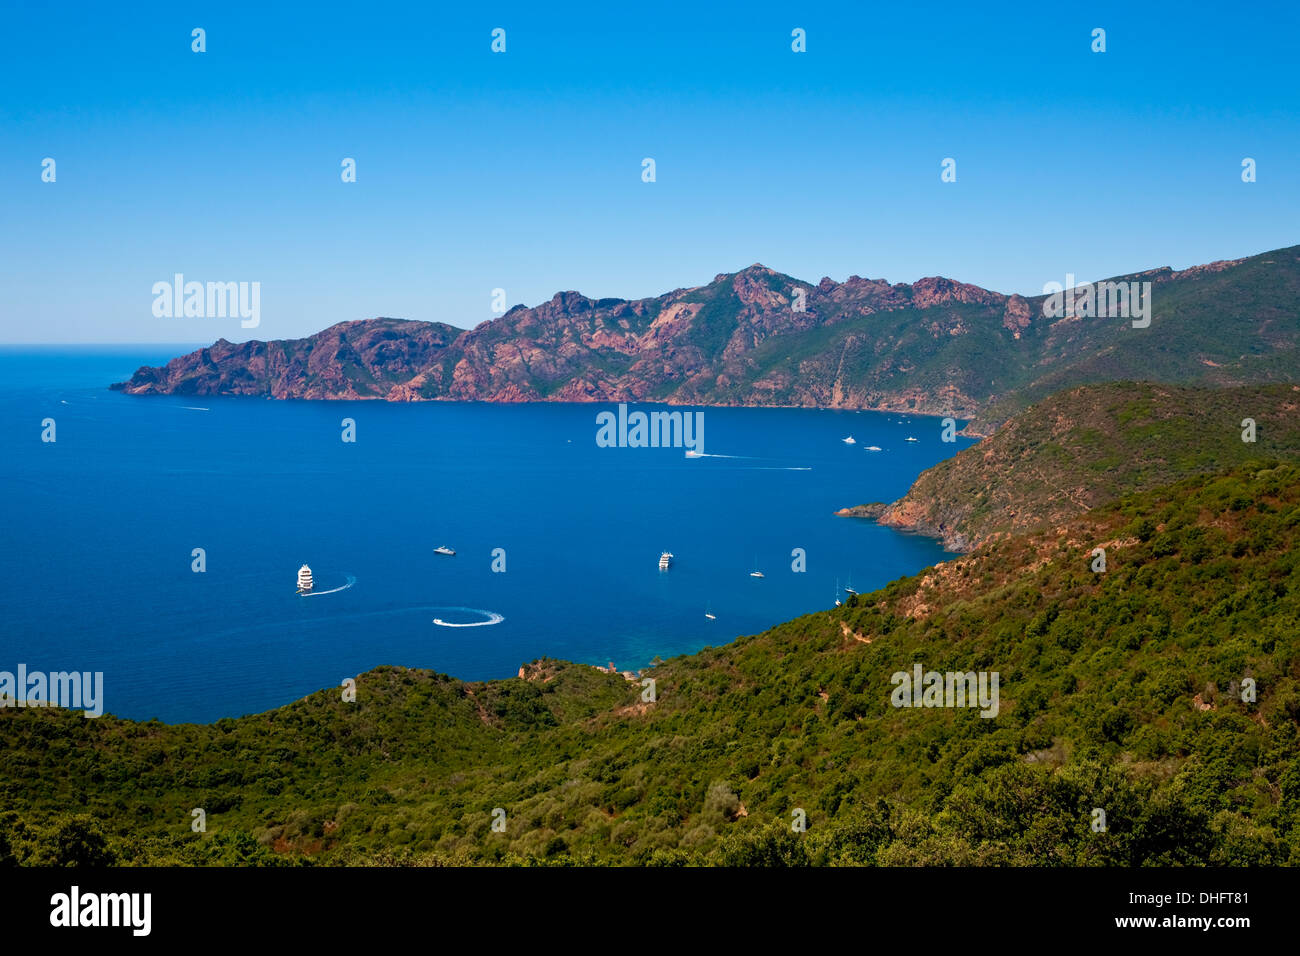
[
  {"x": 304, "y": 580},
  {"x": 910, "y": 438},
  {"x": 708, "y": 612},
  {"x": 664, "y": 560},
  {"x": 443, "y": 549},
  {"x": 873, "y": 448},
  {"x": 849, "y": 441}
]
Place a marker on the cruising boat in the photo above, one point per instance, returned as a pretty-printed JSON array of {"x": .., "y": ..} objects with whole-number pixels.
[
  {"x": 664, "y": 560},
  {"x": 909, "y": 438},
  {"x": 708, "y": 612},
  {"x": 304, "y": 580},
  {"x": 873, "y": 448},
  {"x": 443, "y": 549},
  {"x": 849, "y": 440}
]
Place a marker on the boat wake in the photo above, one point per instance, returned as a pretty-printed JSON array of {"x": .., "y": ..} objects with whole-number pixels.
[
  {"x": 492, "y": 617},
  {"x": 351, "y": 581}
]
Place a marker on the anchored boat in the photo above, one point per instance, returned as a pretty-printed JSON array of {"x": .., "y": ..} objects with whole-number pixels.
[
  {"x": 664, "y": 560},
  {"x": 443, "y": 549}
]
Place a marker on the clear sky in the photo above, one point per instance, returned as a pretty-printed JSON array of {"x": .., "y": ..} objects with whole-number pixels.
[{"x": 522, "y": 170}]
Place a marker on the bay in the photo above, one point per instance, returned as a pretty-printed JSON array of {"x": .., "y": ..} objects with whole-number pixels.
[{"x": 100, "y": 527}]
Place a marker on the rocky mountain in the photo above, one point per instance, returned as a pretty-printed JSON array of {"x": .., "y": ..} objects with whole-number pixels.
[
  {"x": 1086, "y": 446},
  {"x": 758, "y": 337}
]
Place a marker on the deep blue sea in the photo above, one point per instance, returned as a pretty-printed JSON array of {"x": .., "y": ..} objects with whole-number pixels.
[{"x": 99, "y": 528}]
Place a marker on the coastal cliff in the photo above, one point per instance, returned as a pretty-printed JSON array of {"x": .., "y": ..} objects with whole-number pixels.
[{"x": 1086, "y": 446}]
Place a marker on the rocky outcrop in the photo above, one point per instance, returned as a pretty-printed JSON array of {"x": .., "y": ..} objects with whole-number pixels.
[{"x": 1086, "y": 446}]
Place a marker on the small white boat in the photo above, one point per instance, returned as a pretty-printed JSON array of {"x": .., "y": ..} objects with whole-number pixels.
[
  {"x": 304, "y": 580},
  {"x": 756, "y": 574},
  {"x": 443, "y": 549},
  {"x": 837, "y": 592},
  {"x": 692, "y": 454},
  {"x": 664, "y": 560},
  {"x": 873, "y": 448},
  {"x": 849, "y": 441},
  {"x": 708, "y": 612},
  {"x": 909, "y": 438}
]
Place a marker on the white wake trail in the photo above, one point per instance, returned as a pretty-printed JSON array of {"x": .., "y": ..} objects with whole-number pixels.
[
  {"x": 492, "y": 618},
  {"x": 351, "y": 581}
]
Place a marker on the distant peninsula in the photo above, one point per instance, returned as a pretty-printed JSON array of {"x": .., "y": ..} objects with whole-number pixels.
[{"x": 761, "y": 338}]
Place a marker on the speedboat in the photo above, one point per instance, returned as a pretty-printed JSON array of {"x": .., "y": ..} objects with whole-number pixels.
[
  {"x": 443, "y": 549},
  {"x": 873, "y": 448},
  {"x": 849, "y": 441}
]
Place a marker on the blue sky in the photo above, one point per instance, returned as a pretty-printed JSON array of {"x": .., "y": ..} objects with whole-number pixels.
[{"x": 523, "y": 170}]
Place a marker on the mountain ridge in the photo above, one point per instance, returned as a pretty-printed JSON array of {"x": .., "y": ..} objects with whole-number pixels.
[{"x": 936, "y": 346}]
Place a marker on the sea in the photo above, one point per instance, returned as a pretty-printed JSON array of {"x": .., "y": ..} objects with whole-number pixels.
[{"x": 157, "y": 540}]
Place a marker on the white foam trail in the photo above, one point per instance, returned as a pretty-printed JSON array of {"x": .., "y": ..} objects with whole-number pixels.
[
  {"x": 351, "y": 581},
  {"x": 492, "y": 617},
  {"x": 195, "y": 408}
]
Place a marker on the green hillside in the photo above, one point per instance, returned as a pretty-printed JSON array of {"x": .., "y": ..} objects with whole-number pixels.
[
  {"x": 1089, "y": 445},
  {"x": 1120, "y": 692}
]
